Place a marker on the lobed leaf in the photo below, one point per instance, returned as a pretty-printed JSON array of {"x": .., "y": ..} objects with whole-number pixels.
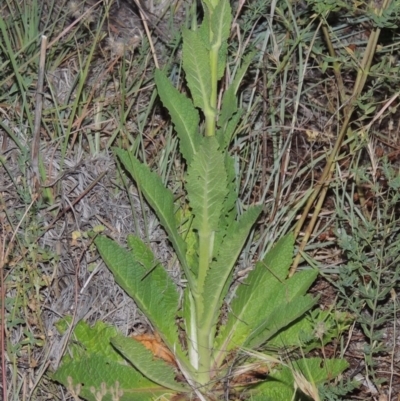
[{"x": 183, "y": 114}]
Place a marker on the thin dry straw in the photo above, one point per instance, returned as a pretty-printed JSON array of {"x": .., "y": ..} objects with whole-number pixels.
[{"x": 38, "y": 117}]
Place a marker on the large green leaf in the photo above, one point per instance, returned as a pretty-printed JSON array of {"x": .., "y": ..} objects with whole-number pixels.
[
  {"x": 282, "y": 316},
  {"x": 279, "y": 386},
  {"x": 197, "y": 68},
  {"x": 183, "y": 114},
  {"x": 154, "y": 369},
  {"x": 262, "y": 307},
  {"x": 206, "y": 189},
  {"x": 95, "y": 373},
  {"x": 222, "y": 267},
  {"x": 318, "y": 370},
  {"x": 146, "y": 282},
  {"x": 282, "y": 306},
  {"x": 156, "y": 278},
  {"x": 207, "y": 186},
  {"x": 228, "y": 212},
  {"x": 161, "y": 200},
  {"x": 260, "y": 291},
  {"x": 91, "y": 361}
]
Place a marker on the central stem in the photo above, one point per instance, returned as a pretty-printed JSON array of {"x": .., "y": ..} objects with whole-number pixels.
[{"x": 206, "y": 241}]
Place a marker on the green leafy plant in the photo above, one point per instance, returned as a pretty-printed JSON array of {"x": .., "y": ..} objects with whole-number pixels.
[
  {"x": 369, "y": 234},
  {"x": 198, "y": 348}
]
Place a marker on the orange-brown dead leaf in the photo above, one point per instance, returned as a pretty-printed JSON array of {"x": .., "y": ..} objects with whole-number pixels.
[{"x": 154, "y": 343}]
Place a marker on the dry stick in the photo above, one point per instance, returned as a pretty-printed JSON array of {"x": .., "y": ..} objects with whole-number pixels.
[
  {"x": 38, "y": 118},
  {"x": 336, "y": 64},
  {"x": 146, "y": 28},
  {"x": 322, "y": 186}
]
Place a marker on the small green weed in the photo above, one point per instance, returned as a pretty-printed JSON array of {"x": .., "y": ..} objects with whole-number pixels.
[{"x": 367, "y": 284}]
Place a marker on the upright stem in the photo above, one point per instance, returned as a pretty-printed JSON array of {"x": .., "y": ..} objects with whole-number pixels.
[{"x": 203, "y": 335}]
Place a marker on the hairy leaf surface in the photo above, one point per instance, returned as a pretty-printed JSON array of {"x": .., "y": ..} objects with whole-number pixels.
[
  {"x": 91, "y": 340},
  {"x": 221, "y": 22},
  {"x": 279, "y": 258}
]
